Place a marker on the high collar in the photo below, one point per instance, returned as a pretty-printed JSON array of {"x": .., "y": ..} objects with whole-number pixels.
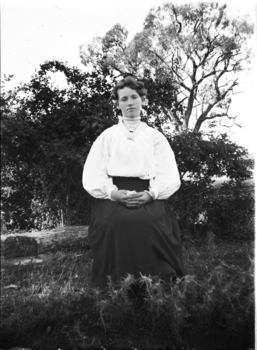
[{"x": 130, "y": 122}]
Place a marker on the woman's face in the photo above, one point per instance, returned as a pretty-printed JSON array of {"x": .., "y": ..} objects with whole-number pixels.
[{"x": 129, "y": 102}]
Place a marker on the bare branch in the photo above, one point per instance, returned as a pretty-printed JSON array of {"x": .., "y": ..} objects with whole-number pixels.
[
  {"x": 226, "y": 126},
  {"x": 234, "y": 118},
  {"x": 180, "y": 102},
  {"x": 173, "y": 115},
  {"x": 196, "y": 26},
  {"x": 195, "y": 106},
  {"x": 214, "y": 71},
  {"x": 179, "y": 23},
  {"x": 238, "y": 92}
]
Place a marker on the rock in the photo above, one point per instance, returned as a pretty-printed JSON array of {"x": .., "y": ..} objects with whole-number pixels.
[{"x": 35, "y": 243}]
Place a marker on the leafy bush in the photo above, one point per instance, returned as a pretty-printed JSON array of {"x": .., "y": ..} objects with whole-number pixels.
[
  {"x": 47, "y": 133},
  {"x": 230, "y": 213},
  {"x": 199, "y": 205}
]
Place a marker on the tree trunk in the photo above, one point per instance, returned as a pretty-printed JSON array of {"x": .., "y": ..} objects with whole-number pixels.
[{"x": 34, "y": 243}]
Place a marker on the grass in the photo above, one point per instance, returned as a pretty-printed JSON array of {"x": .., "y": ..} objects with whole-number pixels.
[{"x": 52, "y": 306}]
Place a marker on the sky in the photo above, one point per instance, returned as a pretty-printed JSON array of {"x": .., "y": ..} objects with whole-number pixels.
[{"x": 33, "y": 32}]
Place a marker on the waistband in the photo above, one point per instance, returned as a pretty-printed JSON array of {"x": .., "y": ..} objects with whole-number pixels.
[{"x": 131, "y": 183}]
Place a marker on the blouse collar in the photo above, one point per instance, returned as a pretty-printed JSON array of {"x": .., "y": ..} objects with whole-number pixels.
[{"x": 130, "y": 135}]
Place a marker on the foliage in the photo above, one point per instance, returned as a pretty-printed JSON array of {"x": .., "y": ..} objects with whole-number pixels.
[
  {"x": 198, "y": 204},
  {"x": 46, "y": 138},
  {"x": 16, "y": 176},
  {"x": 53, "y": 306},
  {"x": 47, "y": 132},
  {"x": 231, "y": 212},
  {"x": 195, "y": 47},
  {"x": 204, "y": 155},
  {"x": 160, "y": 102}
]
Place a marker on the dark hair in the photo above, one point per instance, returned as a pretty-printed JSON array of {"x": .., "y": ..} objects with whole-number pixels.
[{"x": 130, "y": 82}]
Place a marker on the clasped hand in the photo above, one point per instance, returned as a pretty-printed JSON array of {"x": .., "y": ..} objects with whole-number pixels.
[{"x": 132, "y": 200}]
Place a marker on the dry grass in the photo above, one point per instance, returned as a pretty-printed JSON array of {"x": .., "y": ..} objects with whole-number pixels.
[{"x": 52, "y": 306}]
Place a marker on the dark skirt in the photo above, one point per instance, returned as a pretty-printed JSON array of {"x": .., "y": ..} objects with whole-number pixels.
[{"x": 136, "y": 241}]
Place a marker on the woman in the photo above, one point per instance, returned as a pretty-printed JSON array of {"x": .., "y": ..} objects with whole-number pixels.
[{"x": 131, "y": 171}]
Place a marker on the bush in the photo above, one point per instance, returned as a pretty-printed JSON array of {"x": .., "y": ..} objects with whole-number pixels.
[
  {"x": 199, "y": 205},
  {"x": 230, "y": 214}
]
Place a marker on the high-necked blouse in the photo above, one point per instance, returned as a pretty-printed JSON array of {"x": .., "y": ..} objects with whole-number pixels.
[{"x": 145, "y": 154}]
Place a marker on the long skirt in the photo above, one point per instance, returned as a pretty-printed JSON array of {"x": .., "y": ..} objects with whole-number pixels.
[{"x": 135, "y": 241}]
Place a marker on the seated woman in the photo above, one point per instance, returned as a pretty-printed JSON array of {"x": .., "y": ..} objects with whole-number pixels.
[{"x": 131, "y": 171}]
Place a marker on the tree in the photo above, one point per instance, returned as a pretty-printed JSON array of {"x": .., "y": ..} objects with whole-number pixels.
[
  {"x": 47, "y": 133},
  {"x": 16, "y": 177},
  {"x": 196, "y": 48}
]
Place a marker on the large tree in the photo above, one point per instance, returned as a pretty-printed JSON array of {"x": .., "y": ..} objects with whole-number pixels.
[
  {"x": 195, "y": 48},
  {"x": 46, "y": 135}
]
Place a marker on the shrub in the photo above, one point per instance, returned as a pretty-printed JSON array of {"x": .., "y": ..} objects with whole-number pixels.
[
  {"x": 201, "y": 207},
  {"x": 230, "y": 213}
]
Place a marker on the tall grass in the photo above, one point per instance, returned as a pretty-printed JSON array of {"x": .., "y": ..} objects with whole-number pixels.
[{"x": 52, "y": 307}]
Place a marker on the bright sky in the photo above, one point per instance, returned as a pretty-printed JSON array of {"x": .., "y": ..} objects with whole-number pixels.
[{"x": 33, "y": 32}]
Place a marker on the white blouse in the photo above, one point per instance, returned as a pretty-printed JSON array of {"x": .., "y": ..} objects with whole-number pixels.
[{"x": 146, "y": 155}]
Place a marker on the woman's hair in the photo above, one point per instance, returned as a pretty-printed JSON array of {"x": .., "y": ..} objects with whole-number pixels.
[{"x": 130, "y": 82}]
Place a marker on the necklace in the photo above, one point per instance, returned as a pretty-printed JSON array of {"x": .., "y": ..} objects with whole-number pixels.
[{"x": 132, "y": 128}]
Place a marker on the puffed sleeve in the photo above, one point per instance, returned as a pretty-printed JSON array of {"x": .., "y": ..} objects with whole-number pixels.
[
  {"x": 167, "y": 179},
  {"x": 95, "y": 178}
]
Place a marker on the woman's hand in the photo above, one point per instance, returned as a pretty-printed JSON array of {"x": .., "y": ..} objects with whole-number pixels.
[
  {"x": 131, "y": 200},
  {"x": 139, "y": 199}
]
